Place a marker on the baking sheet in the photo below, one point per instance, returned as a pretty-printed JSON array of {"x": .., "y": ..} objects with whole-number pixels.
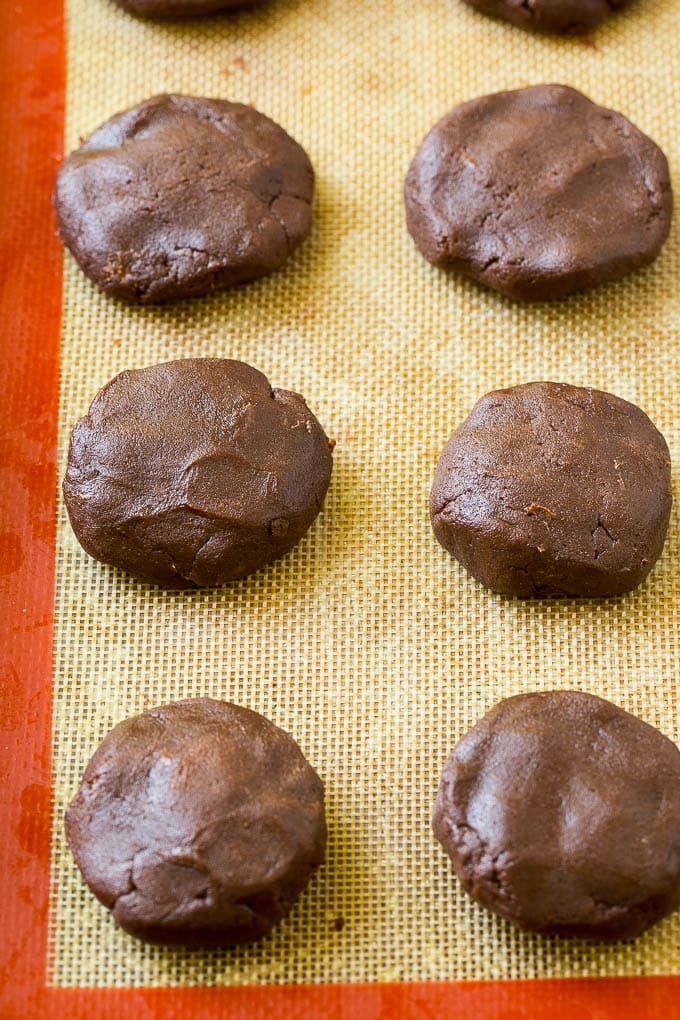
[{"x": 366, "y": 642}]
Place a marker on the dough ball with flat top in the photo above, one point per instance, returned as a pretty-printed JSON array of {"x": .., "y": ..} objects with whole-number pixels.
[
  {"x": 198, "y": 823},
  {"x": 537, "y": 193},
  {"x": 182, "y": 196},
  {"x": 195, "y": 472},
  {"x": 561, "y": 812},
  {"x": 551, "y": 489},
  {"x": 181, "y": 8},
  {"x": 569, "y": 17}
]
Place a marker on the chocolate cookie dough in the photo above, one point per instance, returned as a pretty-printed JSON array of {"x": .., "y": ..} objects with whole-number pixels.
[
  {"x": 561, "y": 812},
  {"x": 180, "y": 196},
  {"x": 562, "y": 16},
  {"x": 538, "y": 193},
  {"x": 194, "y": 472},
  {"x": 198, "y": 823},
  {"x": 549, "y": 489},
  {"x": 181, "y": 8}
]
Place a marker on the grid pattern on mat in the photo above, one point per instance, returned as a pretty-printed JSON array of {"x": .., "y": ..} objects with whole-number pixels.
[{"x": 366, "y": 642}]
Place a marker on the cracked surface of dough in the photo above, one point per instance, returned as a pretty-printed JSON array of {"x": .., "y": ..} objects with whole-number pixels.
[
  {"x": 198, "y": 823},
  {"x": 537, "y": 193},
  {"x": 550, "y": 489},
  {"x": 182, "y": 196},
  {"x": 561, "y": 812},
  {"x": 195, "y": 472}
]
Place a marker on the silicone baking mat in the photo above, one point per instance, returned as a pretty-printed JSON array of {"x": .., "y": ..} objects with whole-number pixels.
[{"x": 367, "y": 643}]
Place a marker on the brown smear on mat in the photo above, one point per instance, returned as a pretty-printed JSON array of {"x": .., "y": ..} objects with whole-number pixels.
[{"x": 366, "y": 643}]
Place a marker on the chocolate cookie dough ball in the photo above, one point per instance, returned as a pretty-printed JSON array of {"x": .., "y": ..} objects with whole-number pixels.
[
  {"x": 194, "y": 472},
  {"x": 181, "y": 8},
  {"x": 180, "y": 197},
  {"x": 561, "y": 16},
  {"x": 561, "y": 812},
  {"x": 538, "y": 193},
  {"x": 550, "y": 489},
  {"x": 198, "y": 823}
]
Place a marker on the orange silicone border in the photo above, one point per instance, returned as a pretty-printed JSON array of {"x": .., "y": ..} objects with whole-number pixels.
[{"x": 31, "y": 122}]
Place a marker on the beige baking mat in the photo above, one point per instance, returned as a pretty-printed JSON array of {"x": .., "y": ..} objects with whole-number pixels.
[{"x": 366, "y": 642}]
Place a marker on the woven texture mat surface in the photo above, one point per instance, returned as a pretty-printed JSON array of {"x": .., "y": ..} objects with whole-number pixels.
[{"x": 367, "y": 643}]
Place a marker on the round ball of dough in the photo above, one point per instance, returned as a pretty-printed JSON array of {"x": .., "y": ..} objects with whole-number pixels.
[
  {"x": 198, "y": 823},
  {"x": 194, "y": 472},
  {"x": 571, "y": 17},
  {"x": 182, "y": 196},
  {"x": 537, "y": 193},
  {"x": 550, "y": 489},
  {"x": 170, "y": 9},
  {"x": 561, "y": 812}
]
